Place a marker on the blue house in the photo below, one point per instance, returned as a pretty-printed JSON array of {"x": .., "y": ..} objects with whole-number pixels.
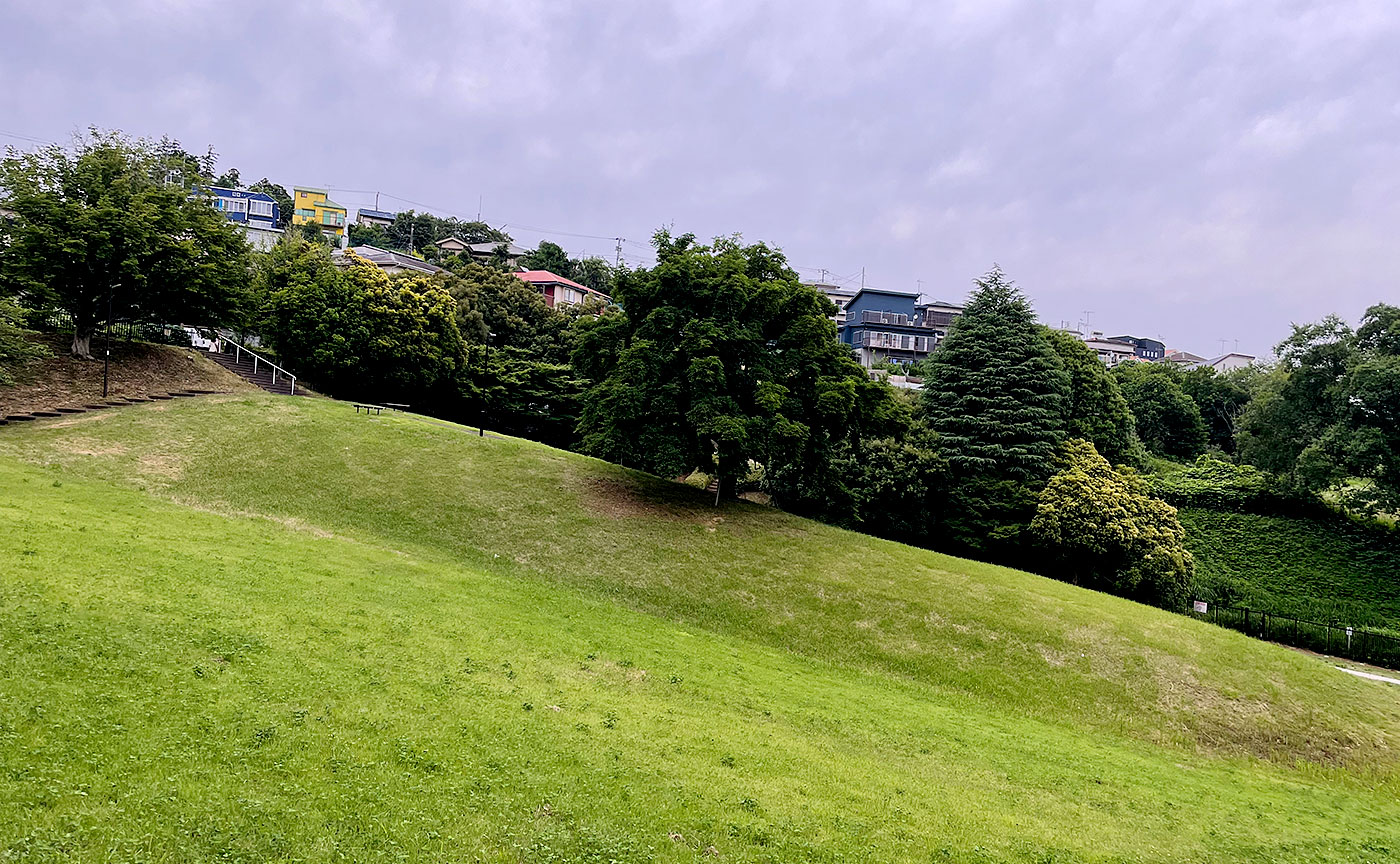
[
  {"x": 885, "y": 325},
  {"x": 253, "y": 209}
]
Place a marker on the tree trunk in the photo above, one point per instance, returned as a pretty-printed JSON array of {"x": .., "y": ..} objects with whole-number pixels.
[{"x": 82, "y": 342}]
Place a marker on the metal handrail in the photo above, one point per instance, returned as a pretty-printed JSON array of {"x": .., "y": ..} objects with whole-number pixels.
[{"x": 239, "y": 348}]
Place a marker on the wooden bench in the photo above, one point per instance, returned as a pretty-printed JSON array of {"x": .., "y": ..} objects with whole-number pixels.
[{"x": 377, "y": 409}]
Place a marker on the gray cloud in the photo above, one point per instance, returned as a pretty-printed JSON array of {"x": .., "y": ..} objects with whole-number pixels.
[{"x": 1197, "y": 171}]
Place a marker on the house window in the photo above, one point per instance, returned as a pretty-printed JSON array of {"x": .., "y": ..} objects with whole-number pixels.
[
  {"x": 236, "y": 205},
  {"x": 305, "y": 214},
  {"x": 260, "y": 208}
]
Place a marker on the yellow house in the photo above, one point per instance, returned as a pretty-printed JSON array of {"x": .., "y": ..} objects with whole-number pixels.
[{"x": 312, "y": 205}]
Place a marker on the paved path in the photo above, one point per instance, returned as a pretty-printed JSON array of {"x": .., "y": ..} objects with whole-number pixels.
[{"x": 1371, "y": 675}]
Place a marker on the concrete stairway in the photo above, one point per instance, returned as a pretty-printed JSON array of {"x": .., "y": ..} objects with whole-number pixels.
[{"x": 255, "y": 372}]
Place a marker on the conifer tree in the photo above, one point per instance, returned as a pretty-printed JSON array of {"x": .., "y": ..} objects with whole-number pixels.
[
  {"x": 997, "y": 392},
  {"x": 996, "y": 395}
]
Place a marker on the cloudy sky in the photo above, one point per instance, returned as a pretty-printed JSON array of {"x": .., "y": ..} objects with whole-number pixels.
[{"x": 1199, "y": 171}]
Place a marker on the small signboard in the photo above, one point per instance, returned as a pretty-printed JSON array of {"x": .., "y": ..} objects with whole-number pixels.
[{"x": 1200, "y": 606}]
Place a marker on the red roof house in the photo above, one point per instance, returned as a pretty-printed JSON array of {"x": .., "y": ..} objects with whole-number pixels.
[{"x": 557, "y": 290}]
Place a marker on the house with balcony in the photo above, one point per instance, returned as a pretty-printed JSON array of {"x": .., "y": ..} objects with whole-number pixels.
[
  {"x": 884, "y": 325},
  {"x": 256, "y": 213},
  {"x": 838, "y": 294},
  {"x": 314, "y": 206}
]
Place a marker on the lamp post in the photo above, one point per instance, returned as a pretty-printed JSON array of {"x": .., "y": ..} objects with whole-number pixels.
[
  {"x": 107, "y": 348},
  {"x": 485, "y": 370}
]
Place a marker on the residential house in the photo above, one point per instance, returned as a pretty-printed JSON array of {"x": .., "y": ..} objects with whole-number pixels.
[
  {"x": 257, "y": 213},
  {"x": 382, "y": 218},
  {"x": 482, "y": 252},
  {"x": 1111, "y": 351},
  {"x": 1184, "y": 359},
  {"x": 1150, "y": 350},
  {"x": 838, "y": 294},
  {"x": 557, "y": 290},
  {"x": 885, "y": 325},
  {"x": 313, "y": 205},
  {"x": 1231, "y": 361},
  {"x": 389, "y": 261}
]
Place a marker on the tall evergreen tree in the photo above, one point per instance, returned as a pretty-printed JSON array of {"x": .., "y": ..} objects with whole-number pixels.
[
  {"x": 1096, "y": 410},
  {"x": 996, "y": 396},
  {"x": 997, "y": 392}
]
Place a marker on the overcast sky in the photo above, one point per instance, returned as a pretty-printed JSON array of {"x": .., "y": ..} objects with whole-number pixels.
[{"x": 1196, "y": 171}]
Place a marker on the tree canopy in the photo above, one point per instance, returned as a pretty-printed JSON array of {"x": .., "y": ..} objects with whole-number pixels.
[
  {"x": 723, "y": 357},
  {"x": 1096, "y": 410},
  {"x": 1168, "y": 421},
  {"x": 117, "y": 221},
  {"x": 1106, "y": 531}
]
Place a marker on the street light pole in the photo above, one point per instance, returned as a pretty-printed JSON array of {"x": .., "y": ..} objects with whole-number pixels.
[
  {"x": 485, "y": 371},
  {"x": 107, "y": 349}
]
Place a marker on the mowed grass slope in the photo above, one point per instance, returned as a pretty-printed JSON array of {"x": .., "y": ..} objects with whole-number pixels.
[{"x": 265, "y": 629}]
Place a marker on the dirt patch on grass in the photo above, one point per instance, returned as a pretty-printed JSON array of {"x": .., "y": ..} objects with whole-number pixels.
[
  {"x": 165, "y": 466},
  {"x": 619, "y": 497},
  {"x": 137, "y": 368},
  {"x": 88, "y": 447}
]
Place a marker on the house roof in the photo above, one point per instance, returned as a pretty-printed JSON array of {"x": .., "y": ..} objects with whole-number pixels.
[
  {"x": 1184, "y": 357},
  {"x": 887, "y": 292},
  {"x": 377, "y": 214},
  {"x": 1228, "y": 355},
  {"x": 224, "y": 192},
  {"x": 545, "y": 277},
  {"x": 489, "y": 248},
  {"x": 390, "y": 258}
]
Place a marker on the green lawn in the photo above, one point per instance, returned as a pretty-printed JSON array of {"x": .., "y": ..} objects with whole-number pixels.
[
  {"x": 1324, "y": 569},
  {"x": 260, "y": 629}
]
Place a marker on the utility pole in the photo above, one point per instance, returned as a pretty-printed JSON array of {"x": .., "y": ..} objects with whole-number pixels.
[
  {"x": 862, "y": 277},
  {"x": 823, "y": 275},
  {"x": 479, "y": 198},
  {"x": 618, "y": 263}
]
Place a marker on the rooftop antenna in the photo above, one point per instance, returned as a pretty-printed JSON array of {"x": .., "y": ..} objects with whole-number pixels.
[{"x": 1222, "y": 345}]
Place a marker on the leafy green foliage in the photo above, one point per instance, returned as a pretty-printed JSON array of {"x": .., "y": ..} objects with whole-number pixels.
[
  {"x": 417, "y": 233},
  {"x": 17, "y": 346},
  {"x": 355, "y": 331},
  {"x": 1218, "y": 484},
  {"x": 723, "y": 357},
  {"x": 1106, "y": 531},
  {"x": 1221, "y": 398},
  {"x": 1329, "y": 411},
  {"x": 1169, "y": 422},
  {"x": 117, "y": 218},
  {"x": 1321, "y": 567},
  {"x": 1096, "y": 411}
]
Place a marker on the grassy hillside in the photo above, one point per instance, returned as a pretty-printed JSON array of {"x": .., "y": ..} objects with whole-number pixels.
[
  {"x": 258, "y": 628},
  {"x": 1315, "y": 568}
]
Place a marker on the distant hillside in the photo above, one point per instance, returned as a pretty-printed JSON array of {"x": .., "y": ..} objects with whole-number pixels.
[
  {"x": 259, "y": 628},
  {"x": 136, "y": 368},
  {"x": 1330, "y": 568}
]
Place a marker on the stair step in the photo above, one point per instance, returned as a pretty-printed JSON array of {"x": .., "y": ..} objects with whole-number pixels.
[
  {"x": 46, "y": 413},
  {"x": 20, "y": 418},
  {"x": 159, "y": 396},
  {"x": 137, "y": 399},
  {"x": 70, "y": 410},
  {"x": 97, "y": 406}
]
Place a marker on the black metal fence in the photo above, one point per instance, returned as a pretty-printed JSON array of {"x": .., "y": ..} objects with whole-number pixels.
[{"x": 1338, "y": 640}]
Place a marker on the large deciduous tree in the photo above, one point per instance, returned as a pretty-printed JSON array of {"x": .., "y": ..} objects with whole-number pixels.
[
  {"x": 723, "y": 358},
  {"x": 117, "y": 223},
  {"x": 1096, "y": 410},
  {"x": 1169, "y": 422},
  {"x": 355, "y": 331}
]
